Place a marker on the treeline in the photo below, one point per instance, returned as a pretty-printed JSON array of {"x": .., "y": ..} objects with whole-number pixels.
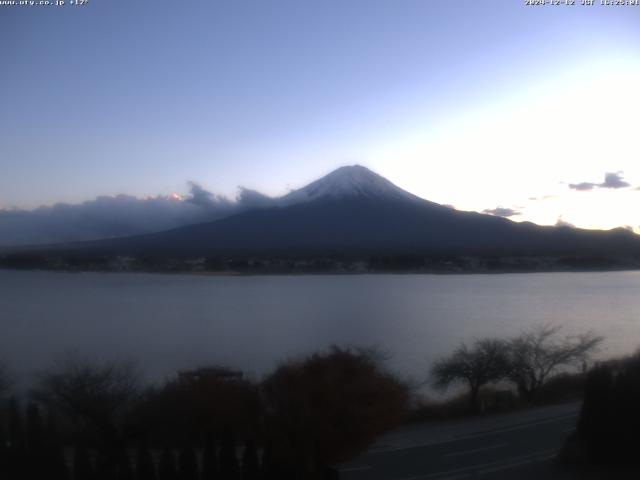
[
  {"x": 34, "y": 450},
  {"x": 103, "y": 423},
  {"x": 322, "y": 263}
]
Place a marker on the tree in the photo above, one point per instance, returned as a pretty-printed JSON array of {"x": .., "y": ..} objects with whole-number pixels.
[
  {"x": 82, "y": 467},
  {"x": 187, "y": 463},
  {"x": 167, "y": 466},
  {"x": 36, "y": 443},
  {"x": 4, "y": 453},
  {"x": 536, "y": 355},
  {"x": 5, "y": 380},
  {"x": 250, "y": 462},
  {"x": 201, "y": 401},
  {"x": 125, "y": 472},
  {"x": 209, "y": 459},
  {"x": 609, "y": 420},
  {"x": 327, "y": 408},
  {"x": 56, "y": 461},
  {"x": 95, "y": 396},
  {"x": 482, "y": 363},
  {"x": 17, "y": 464},
  {"x": 145, "y": 466},
  {"x": 16, "y": 426},
  {"x": 35, "y": 430},
  {"x": 229, "y": 468}
]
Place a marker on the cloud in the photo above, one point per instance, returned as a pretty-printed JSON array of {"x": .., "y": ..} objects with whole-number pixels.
[
  {"x": 204, "y": 198},
  {"x": 612, "y": 180},
  {"x": 544, "y": 197},
  {"x": 563, "y": 223},
  {"x": 120, "y": 215},
  {"x": 501, "y": 212},
  {"x": 583, "y": 186},
  {"x": 252, "y": 199}
]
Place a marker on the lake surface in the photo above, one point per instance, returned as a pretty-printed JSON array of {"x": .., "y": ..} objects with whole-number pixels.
[{"x": 172, "y": 322}]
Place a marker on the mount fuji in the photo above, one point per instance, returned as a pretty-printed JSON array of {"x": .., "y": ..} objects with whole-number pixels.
[
  {"x": 356, "y": 212},
  {"x": 349, "y": 182}
]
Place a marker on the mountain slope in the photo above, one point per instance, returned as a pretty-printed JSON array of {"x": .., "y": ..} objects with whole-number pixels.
[
  {"x": 349, "y": 182},
  {"x": 355, "y": 211}
]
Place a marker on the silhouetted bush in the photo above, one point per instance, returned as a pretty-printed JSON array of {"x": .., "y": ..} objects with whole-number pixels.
[
  {"x": 228, "y": 460},
  {"x": 167, "y": 466},
  {"x": 490, "y": 400},
  {"x": 5, "y": 381},
  {"x": 82, "y": 466},
  {"x": 187, "y": 464},
  {"x": 145, "y": 465},
  {"x": 56, "y": 461},
  {"x": 17, "y": 439},
  {"x": 4, "y": 451},
  {"x": 610, "y": 419},
  {"x": 329, "y": 407},
  {"x": 17, "y": 460},
  {"x": 36, "y": 446},
  {"x": 250, "y": 462},
  {"x": 94, "y": 397},
  {"x": 564, "y": 387},
  {"x": 185, "y": 409},
  {"x": 426, "y": 409},
  {"x": 210, "y": 459},
  {"x": 28, "y": 450}
]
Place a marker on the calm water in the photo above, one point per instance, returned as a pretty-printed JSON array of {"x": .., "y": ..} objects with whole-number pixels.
[{"x": 170, "y": 322}]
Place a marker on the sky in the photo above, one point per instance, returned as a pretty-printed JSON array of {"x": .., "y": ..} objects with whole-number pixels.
[{"x": 492, "y": 106}]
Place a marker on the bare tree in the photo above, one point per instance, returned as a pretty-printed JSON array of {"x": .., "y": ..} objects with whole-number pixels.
[
  {"x": 94, "y": 395},
  {"x": 482, "y": 363},
  {"x": 5, "y": 380},
  {"x": 536, "y": 355}
]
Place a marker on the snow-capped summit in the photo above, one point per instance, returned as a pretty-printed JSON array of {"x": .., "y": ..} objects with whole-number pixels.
[{"x": 349, "y": 181}]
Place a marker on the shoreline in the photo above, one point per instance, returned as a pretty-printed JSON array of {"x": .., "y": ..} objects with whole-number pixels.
[{"x": 294, "y": 273}]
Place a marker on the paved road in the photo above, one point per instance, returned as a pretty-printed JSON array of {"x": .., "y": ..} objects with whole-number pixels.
[{"x": 511, "y": 449}]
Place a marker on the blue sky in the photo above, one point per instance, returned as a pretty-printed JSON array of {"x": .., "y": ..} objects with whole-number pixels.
[{"x": 475, "y": 104}]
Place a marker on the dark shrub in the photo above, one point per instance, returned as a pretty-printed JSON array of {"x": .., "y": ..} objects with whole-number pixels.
[
  {"x": 329, "y": 407},
  {"x": 167, "y": 466},
  {"x": 610, "y": 419},
  {"x": 145, "y": 466},
  {"x": 187, "y": 408}
]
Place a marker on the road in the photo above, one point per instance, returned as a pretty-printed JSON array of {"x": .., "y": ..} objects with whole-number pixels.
[{"x": 517, "y": 445}]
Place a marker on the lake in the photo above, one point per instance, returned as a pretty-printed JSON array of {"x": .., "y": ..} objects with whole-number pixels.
[{"x": 172, "y": 322}]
